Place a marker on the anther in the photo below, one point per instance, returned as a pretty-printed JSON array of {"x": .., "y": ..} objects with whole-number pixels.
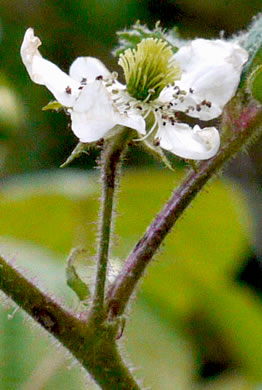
[
  {"x": 100, "y": 142},
  {"x": 114, "y": 76},
  {"x": 198, "y": 107},
  {"x": 68, "y": 90},
  {"x": 100, "y": 77},
  {"x": 206, "y": 103},
  {"x": 172, "y": 120},
  {"x": 177, "y": 89}
]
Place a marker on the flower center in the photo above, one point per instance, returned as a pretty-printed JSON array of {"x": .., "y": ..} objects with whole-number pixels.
[{"x": 149, "y": 68}]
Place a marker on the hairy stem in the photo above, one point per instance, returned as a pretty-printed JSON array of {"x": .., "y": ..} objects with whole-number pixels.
[
  {"x": 242, "y": 124},
  {"x": 94, "y": 347},
  {"x": 109, "y": 166}
]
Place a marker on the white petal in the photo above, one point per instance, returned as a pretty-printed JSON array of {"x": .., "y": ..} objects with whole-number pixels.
[
  {"x": 212, "y": 69},
  {"x": 44, "y": 72},
  {"x": 88, "y": 129},
  {"x": 134, "y": 121},
  {"x": 88, "y": 68},
  {"x": 185, "y": 142},
  {"x": 94, "y": 114}
]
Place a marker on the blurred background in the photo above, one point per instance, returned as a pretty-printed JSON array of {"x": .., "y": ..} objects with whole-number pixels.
[{"x": 197, "y": 322}]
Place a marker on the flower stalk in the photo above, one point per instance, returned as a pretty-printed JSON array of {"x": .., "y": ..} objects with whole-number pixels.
[
  {"x": 110, "y": 165},
  {"x": 243, "y": 123}
]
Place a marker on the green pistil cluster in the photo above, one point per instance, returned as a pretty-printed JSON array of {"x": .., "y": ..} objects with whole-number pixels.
[{"x": 149, "y": 68}]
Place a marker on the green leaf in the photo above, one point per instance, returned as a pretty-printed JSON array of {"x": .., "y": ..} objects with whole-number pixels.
[
  {"x": 156, "y": 348},
  {"x": 194, "y": 271},
  {"x": 193, "y": 276},
  {"x": 32, "y": 360},
  {"x": 213, "y": 217},
  {"x": 51, "y": 209}
]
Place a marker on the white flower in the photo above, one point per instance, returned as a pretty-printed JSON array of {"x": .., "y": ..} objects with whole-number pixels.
[
  {"x": 197, "y": 81},
  {"x": 211, "y": 72},
  {"x": 92, "y": 110}
]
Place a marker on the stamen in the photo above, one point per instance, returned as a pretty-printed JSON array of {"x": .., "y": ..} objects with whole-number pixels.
[
  {"x": 146, "y": 115},
  {"x": 148, "y": 97},
  {"x": 148, "y": 134}
]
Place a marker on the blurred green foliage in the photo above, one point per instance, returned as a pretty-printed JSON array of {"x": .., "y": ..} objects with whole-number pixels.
[
  {"x": 189, "y": 292},
  {"x": 255, "y": 83}
]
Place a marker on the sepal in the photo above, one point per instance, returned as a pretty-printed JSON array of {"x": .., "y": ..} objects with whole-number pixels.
[
  {"x": 128, "y": 39},
  {"x": 158, "y": 153},
  {"x": 53, "y": 105},
  {"x": 79, "y": 149},
  {"x": 251, "y": 41}
]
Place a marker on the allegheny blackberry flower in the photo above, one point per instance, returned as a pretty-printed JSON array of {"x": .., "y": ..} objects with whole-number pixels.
[{"x": 198, "y": 80}]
